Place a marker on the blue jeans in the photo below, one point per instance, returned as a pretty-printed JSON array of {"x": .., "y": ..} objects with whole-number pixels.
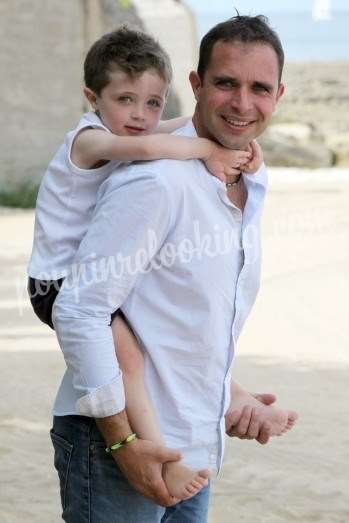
[{"x": 94, "y": 490}]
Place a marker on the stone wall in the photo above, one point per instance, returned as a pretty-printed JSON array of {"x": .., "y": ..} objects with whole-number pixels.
[
  {"x": 41, "y": 50},
  {"x": 41, "y": 56}
]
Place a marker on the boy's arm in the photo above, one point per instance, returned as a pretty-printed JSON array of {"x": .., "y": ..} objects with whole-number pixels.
[
  {"x": 93, "y": 145},
  {"x": 168, "y": 126}
]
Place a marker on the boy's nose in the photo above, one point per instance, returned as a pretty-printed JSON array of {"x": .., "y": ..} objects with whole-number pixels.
[{"x": 138, "y": 113}]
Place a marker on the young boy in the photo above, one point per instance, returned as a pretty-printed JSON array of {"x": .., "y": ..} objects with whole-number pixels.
[{"x": 127, "y": 77}]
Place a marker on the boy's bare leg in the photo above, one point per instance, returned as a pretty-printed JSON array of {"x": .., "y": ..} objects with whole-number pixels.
[
  {"x": 280, "y": 420},
  {"x": 182, "y": 482}
]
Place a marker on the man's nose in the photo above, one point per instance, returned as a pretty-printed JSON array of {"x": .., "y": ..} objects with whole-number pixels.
[{"x": 242, "y": 100}]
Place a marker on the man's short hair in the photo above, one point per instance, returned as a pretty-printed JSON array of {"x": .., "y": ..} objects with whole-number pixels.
[
  {"x": 130, "y": 50},
  {"x": 245, "y": 29}
]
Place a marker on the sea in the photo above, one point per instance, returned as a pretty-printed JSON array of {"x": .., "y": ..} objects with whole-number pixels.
[{"x": 304, "y": 39}]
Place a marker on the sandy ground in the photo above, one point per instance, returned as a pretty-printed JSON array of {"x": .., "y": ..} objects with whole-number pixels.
[{"x": 295, "y": 345}]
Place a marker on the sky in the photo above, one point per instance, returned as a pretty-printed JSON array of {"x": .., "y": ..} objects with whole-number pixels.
[
  {"x": 303, "y": 36},
  {"x": 261, "y": 6}
]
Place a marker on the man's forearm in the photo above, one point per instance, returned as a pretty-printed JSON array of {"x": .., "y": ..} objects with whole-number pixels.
[
  {"x": 140, "y": 461},
  {"x": 114, "y": 428}
]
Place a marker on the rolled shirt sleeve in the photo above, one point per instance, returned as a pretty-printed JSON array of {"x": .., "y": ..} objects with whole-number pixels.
[{"x": 130, "y": 222}]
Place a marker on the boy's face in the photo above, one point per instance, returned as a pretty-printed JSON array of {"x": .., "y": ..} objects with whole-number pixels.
[{"x": 130, "y": 106}]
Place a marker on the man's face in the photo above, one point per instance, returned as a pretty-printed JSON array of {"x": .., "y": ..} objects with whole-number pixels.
[{"x": 239, "y": 92}]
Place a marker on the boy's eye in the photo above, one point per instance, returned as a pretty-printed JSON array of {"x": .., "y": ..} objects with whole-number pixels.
[
  {"x": 153, "y": 102},
  {"x": 125, "y": 99}
]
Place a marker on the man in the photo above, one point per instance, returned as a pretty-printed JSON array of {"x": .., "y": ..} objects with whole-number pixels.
[{"x": 179, "y": 254}]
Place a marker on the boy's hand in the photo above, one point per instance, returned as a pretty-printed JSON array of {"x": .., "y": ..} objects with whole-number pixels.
[
  {"x": 223, "y": 162},
  {"x": 256, "y": 160}
]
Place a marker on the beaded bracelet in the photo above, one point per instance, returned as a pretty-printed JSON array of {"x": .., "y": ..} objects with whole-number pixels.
[{"x": 121, "y": 443}]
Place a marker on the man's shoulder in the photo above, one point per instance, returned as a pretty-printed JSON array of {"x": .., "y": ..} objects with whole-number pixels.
[
  {"x": 165, "y": 172},
  {"x": 146, "y": 178}
]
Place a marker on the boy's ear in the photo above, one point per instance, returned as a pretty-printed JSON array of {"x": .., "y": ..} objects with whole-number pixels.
[
  {"x": 91, "y": 97},
  {"x": 195, "y": 82}
]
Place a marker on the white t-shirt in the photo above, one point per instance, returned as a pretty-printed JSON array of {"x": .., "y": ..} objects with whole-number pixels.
[{"x": 65, "y": 203}]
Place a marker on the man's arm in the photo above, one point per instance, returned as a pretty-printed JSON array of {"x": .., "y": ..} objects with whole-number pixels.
[
  {"x": 131, "y": 220},
  {"x": 141, "y": 461},
  {"x": 130, "y": 223}
]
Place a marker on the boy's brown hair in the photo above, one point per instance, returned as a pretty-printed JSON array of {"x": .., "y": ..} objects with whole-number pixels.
[{"x": 130, "y": 50}]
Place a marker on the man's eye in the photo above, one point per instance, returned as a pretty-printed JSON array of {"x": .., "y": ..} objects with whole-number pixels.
[
  {"x": 261, "y": 88},
  {"x": 225, "y": 84}
]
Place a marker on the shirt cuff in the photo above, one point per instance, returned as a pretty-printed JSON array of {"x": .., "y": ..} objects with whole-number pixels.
[{"x": 104, "y": 401}]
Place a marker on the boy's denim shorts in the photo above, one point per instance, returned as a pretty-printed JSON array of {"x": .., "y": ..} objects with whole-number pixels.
[{"x": 42, "y": 295}]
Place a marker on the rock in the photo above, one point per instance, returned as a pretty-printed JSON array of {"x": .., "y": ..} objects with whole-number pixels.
[
  {"x": 297, "y": 132},
  {"x": 316, "y": 93},
  {"x": 339, "y": 145},
  {"x": 314, "y": 110},
  {"x": 286, "y": 151}
]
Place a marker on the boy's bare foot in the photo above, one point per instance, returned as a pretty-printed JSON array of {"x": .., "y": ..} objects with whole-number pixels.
[
  {"x": 280, "y": 420},
  {"x": 182, "y": 482}
]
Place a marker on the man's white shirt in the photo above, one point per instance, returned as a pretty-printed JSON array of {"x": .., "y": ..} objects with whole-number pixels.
[{"x": 168, "y": 247}]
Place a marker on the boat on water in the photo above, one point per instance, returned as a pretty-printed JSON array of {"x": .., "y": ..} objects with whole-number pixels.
[{"x": 321, "y": 10}]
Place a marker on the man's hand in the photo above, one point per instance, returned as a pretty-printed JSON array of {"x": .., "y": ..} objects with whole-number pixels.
[
  {"x": 245, "y": 424},
  {"x": 266, "y": 399},
  {"x": 141, "y": 462}
]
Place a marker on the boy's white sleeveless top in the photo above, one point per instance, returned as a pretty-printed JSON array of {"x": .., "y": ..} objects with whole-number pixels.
[{"x": 65, "y": 203}]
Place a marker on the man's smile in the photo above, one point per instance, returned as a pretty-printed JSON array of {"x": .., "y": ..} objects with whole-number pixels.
[{"x": 235, "y": 123}]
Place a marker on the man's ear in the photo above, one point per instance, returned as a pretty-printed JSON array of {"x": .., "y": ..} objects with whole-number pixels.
[
  {"x": 281, "y": 90},
  {"x": 91, "y": 97},
  {"x": 195, "y": 82}
]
